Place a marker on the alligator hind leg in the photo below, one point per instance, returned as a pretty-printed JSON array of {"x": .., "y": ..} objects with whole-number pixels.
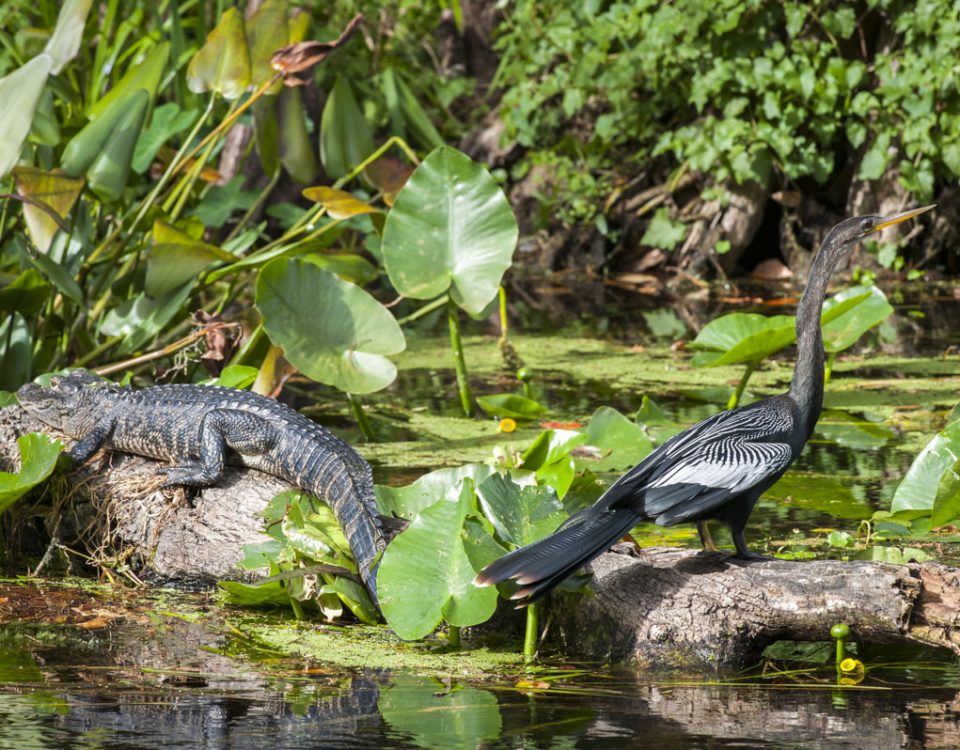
[{"x": 220, "y": 430}]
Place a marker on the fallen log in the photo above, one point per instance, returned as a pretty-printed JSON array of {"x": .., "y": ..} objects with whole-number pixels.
[
  {"x": 668, "y": 607},
  {"x": 658, "y": 608}
]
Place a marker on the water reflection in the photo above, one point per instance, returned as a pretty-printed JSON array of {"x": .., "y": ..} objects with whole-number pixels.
[{"x": 46, "y": 704}]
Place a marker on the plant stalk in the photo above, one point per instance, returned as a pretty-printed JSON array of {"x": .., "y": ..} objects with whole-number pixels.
[
  {"x": 362, "y": 420},
  {"x": 530, "y": 637},
  {"x": 453, "y": 637},
  {"x": 463, "y": 379},
  {"x": 735, "y": 398}
]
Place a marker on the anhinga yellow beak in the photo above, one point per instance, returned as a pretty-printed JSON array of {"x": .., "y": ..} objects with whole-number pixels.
[{"x": 889, "y": 221}]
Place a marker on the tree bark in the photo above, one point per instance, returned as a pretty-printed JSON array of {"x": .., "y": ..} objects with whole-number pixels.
[{"x": 670, "y": 608}]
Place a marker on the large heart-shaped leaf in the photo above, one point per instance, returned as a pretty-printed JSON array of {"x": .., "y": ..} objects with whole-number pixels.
[
  {"x": 450, "y": 228},
  {"x": 267, "y": 31},
  {"x": 223, "y": 63},
  {"x": 622, "y": 442},
  {"x": 749, "y": 337},
  {"x": 549, "y": 456},
  {"x": 20, "y": 93},
  {"x": 870, "y": 308},
  {"x": 461, "y": 719},
  {"x": 928, "y": 485},
  {"x": 333, "y": 331},
  {"x": 521, "y": 515},
  {"x": 426, "y": 575},
  {"x": 38, "y": 458},
  {"x": 406, "y": 502}
]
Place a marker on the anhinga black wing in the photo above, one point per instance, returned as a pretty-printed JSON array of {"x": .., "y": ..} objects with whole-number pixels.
[{"x": 707, "y": 465}]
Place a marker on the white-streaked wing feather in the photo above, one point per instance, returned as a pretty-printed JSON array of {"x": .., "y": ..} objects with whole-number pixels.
[{"x": 738, "y": 467}]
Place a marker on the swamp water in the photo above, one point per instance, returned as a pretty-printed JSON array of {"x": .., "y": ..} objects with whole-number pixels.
[{"x": 118, "y": 669}]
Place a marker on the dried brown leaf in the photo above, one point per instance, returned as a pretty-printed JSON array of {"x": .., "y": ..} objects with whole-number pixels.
[{"x": 296, "y": 61}]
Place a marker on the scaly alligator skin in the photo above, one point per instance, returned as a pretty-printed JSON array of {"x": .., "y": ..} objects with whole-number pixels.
[{"x": 200, "y": 428}]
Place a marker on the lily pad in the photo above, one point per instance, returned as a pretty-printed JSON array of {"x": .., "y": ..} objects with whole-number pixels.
[
  {"x": 920, "y": 489},
  {"x": 521, "y": 515},
  {"x": 451, "y": 227},
  {"x": 406, "y": 502},
  {"x": 460, "y": 719},
  {"x": 622, "y": 442},
  {"x": 426, "y": 575},
  {"x": 333, "y": 331},
  {"x": 510, "y": 405},
  {"x": 38, "y": 459}
]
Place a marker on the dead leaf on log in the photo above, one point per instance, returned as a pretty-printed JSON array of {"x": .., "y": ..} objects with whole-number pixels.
[{"x": 296, "y": 61}]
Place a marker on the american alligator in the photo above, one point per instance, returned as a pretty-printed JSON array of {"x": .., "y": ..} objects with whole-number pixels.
[{"x": 200, "y": 428}]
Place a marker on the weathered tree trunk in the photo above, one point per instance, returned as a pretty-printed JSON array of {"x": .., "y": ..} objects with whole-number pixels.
[
  {"x": 658, "y": 608},
  {"x": 669, "y": 607}
]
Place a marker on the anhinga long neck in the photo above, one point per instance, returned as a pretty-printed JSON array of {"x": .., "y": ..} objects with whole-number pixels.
[{"x": 806, "y": 389}]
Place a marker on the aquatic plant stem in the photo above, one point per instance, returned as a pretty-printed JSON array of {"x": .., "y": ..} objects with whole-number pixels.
[
  {"x": 453, "y": 637},
  {"x": 735, "y": 398},
  {"x": 362, "y": 420},
  {"x": 530, "y": 637},
  {"x": 828, "y": 368},
  {"x": 463, "y": 380}
]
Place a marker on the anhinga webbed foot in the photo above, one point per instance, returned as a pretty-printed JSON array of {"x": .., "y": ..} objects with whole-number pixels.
[{"x": 743, "y": 553}]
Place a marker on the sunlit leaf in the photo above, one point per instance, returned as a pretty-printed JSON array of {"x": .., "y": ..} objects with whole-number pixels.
[
  {"x": 56, "y": 190},
  {"x": 918, "y": 489},
  {"x": 520, "y": 515},
  {"x": 510, "y": 405},
  {"x": 38, "y": 458},
  {"x": 622, "y": 443},
  {"x": 223, "y": 63},
  {"x": 68, "y": 33},
  {"x": 267, "y": 31},
  {"x": 422, "y": 582},
  {"x": 462, "y": 719},
  {"x": 549, "y": 456},
  {"x": 663, "y": 232},
  {"x": 339, "y": 203},
  {"x": 144, "y": 75},
  {"x": 176, "y": 257},
  {"x": 869, "y": 310},
  {"x": 406, "y": 502},
  {"x": 345, "y": 137},
  {"x": 255, "y": 594},
  {"x": 20, "y": 94},
  {"x": 103, "y": 150},
  {"x": 332, "y": 331},
  {"x": 450, "y": 227},
  {"x": 893, "y": 555},
  {"x": 236, "y": 376}
]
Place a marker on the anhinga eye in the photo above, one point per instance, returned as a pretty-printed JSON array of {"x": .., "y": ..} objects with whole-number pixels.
[{"x": 867, "y": 225}]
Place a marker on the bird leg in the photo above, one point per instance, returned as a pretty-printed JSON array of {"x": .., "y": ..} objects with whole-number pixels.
[
  {"x": 741, "y": 544},
  {"x": 705, "y": 538}
]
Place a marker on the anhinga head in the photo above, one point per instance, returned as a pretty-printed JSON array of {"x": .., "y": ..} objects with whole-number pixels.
[{"x": 849, "y": 232}]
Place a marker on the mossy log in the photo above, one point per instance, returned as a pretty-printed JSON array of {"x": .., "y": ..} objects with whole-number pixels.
[
  {"x": 668, "y": 607},
  {"x": 662, "y": 607}
]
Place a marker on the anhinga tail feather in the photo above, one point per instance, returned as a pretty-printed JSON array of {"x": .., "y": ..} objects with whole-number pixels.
[{"x": 540, "y": 566}]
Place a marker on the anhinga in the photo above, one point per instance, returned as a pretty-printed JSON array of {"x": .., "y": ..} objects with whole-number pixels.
[{"x": 715, "y": 470}]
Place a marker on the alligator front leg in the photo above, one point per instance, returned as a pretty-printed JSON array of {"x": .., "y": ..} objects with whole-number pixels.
[
  {"x": 220, "y": 430},
  {"x": 92, "y": 442}
]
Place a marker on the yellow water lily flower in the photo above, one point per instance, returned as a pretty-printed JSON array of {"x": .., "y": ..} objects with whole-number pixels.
[{"x": 506, "y": 425}]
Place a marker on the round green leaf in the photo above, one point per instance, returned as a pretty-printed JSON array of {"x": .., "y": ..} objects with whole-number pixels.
[
  {"x": 426, "y": 575},
  {"x": 510, "y": 405},
  {"x": 461, "y": 719},
  {"x": 869, "y": 309},
  {"x": 333, "y": 331},
  {"x": 38, "y": 458},
  {"x": 450, "y": 228},
  {"x": 521, "y": 515}
]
